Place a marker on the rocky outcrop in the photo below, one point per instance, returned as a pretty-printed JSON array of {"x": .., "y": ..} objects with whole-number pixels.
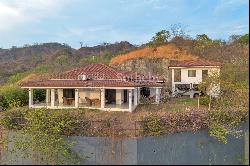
[{"x": 158, "y": 67}]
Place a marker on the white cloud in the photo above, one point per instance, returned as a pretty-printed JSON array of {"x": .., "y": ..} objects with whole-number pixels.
[
  {"x": 9, "y": 17},
  {"x": 229, "y": 5},
  {"x": 239, "y": 29},
  {"x": 82, "y": 31},
  {"x": 16, "y": 12}
]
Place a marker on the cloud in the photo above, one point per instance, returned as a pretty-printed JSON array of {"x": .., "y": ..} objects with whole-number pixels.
[
  {"x": 229, "y": 5},
  {"x": 239, "y": 29},
  {"x": 17, "y": 12},
  {"x": 9, "y": 17},
  {"x": 82, "y": 31}
]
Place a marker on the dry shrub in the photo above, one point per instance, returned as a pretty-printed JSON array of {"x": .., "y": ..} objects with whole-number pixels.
[{"x": 170, "y": 122}]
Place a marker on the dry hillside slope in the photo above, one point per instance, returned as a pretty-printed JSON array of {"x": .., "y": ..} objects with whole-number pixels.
[{"x": 168, "y": 51}]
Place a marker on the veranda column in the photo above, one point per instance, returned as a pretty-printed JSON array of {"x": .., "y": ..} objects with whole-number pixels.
[
  {"x": 157, "y": 95},
  {"x": 30, "y": 97},
  {"x": 52, "y": 98},
  {"x": 130, "y": 100},
  {"x": 76, "y": 98},
  {"x": 135, "y": 96},
  {"x": 47, "y": 96},
  {"x": 102, "y": 98},
  {"x": 173, "y": 83},
  {"x": 139, "y": 95}
]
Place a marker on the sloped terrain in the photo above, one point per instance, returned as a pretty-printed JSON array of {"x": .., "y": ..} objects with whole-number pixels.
[
  {"x": 168, "y": 51},
  {"x": 22, "y": 59}
]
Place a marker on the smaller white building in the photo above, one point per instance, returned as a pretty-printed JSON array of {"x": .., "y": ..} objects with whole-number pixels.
[{"x": 186, "y": 75}]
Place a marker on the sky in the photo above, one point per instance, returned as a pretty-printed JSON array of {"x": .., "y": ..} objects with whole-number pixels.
[{"x": 93, "y": 22}]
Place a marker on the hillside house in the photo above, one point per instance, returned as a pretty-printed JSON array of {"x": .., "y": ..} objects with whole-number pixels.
[
  {"x": 186, "y": 75},
  {"x": 95, "y": 86}
]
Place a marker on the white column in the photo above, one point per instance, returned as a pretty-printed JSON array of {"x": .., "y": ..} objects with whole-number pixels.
[
  {"x": 173, "y": 84},
  {"x": 52, "y": 100},
  {"x": 47, "y": 96},
  {"x": 76, "y": 98},
  {"x": 102, "y": 98},
  {"x": 157, "y": 96},
  {"x": 60, "y": 96},
  {"x": 130, "y": 100},
  {"x": 135, "y": 97},
  {"x": 139, "y": 95},
  {"x": 30, "y": 98}
]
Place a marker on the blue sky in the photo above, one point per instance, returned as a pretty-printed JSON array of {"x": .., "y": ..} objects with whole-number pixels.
[{"x": 96, "y": 21}]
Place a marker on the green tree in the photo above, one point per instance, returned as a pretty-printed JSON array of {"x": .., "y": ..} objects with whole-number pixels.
[
  {"x": 244, "y": 39},
  {"x": 240, "y": 39},
  {"x": 160, "y": 38},
  {"x": 203, "y": 42}
]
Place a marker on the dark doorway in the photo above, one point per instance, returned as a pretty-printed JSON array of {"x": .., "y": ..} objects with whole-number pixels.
[
  {"x": 110, "y": 96},
  {"x": 125, "y": 94},
  {"x": 69, "y": 93},
  {"x": 145, "y": 91}
]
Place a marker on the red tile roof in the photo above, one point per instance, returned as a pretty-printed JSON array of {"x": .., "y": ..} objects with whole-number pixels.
[
  {"x": 98, "y": 71},
  {"x": 99, "y": 75},
  {"x": 89, "y": 83},
  {"x": 198, "y": 62}
]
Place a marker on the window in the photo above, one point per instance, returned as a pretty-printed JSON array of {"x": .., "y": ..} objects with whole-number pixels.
[
  {"x": 204, "y": 74},
  {"x": 191, "y": 73},
  {"x": 177, "y": 75}
]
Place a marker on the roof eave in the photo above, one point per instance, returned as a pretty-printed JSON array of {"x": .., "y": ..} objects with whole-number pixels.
[{"x": 207, "y": 66}]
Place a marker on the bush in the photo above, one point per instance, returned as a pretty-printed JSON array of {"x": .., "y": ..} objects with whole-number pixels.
[
  {"x": 45, "y": 129},
  {"x": 145, "y": 100},
  {"x": 218, "y": 131},
  {"x": 13, "y": 119},
  {"x": 13, "y": 96},
  {"x": 153, "y": 125},
  {"x": 222, "y": 122},
  {"x": 204, "y": 100}
]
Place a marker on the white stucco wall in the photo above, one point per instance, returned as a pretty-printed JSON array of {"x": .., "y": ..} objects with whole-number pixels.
[
  {"x": 119, "y": 96},
  {"x": 90, "y": 93},
  {"x": 194, "y": 80}
]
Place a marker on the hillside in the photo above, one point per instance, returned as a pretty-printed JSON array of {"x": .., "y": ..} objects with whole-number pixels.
[
  {"x": 18, "y": 60},
  {"x": 106, "y": 48},
  {"x": 168, "y": 51},
  {"x": 25, "y": 58}
]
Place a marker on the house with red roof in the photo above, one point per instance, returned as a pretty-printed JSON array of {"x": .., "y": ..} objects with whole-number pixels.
[
  {"x": 96, "y": 86},
  {"x": 186, "y": 75}
]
